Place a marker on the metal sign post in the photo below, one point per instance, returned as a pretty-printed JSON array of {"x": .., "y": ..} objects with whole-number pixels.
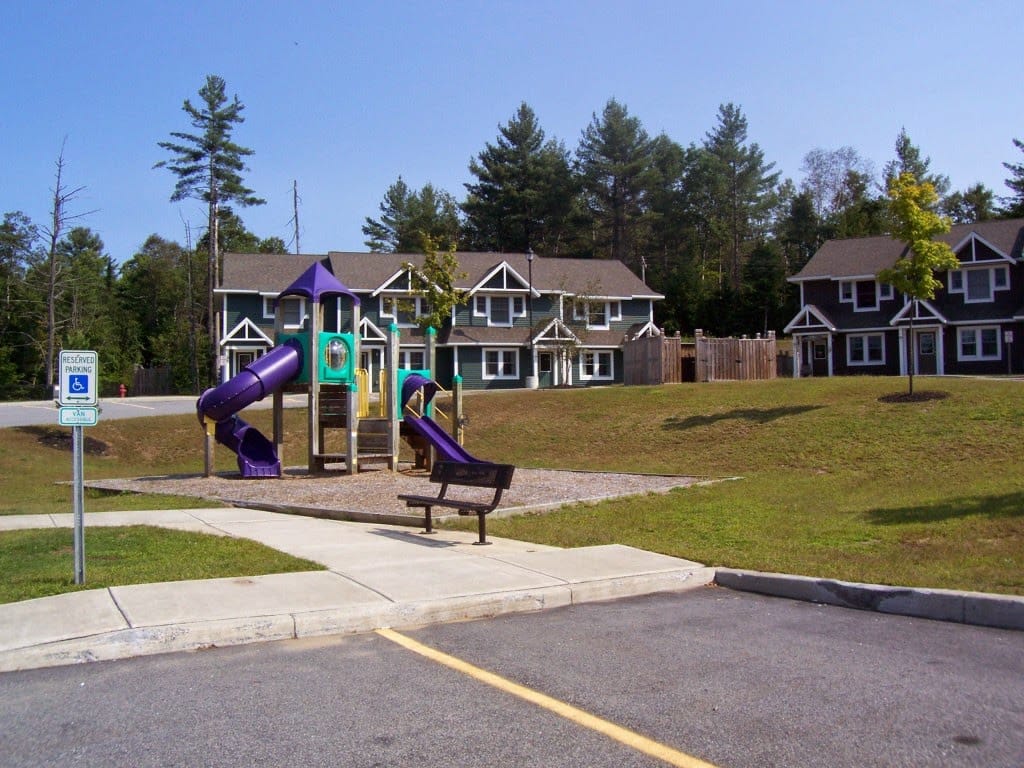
[
  {"x": 77, "y": 502},
  {"x": 79, "y": 379}
]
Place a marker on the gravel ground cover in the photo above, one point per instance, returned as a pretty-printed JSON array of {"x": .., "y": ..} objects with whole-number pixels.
[{"x": 373, "y": 494}]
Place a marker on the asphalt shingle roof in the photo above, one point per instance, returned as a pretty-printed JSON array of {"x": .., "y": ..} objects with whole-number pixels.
[
  {"x": 864, "y": 256},
  {"x": 366, "y": 272}
]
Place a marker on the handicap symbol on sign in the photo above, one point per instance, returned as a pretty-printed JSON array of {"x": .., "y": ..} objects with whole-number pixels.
[{"x": 78, "y": 383}]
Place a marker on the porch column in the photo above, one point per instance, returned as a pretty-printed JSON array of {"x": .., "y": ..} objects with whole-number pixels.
[{"x": 831, "y": 372}]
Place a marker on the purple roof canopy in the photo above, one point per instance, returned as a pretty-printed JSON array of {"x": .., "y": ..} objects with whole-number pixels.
[{"x": 315, "y": 282}]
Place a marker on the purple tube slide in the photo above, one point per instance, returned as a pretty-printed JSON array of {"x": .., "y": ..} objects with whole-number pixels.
[
  {"x": 256, "y": 454},
  {"x": 447, "y": 447}
]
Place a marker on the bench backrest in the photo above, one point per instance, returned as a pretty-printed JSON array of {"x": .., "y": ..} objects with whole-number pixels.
[{"x": 478, "y": 474}]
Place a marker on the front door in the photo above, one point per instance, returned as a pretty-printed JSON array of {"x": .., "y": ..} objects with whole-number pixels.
[
  {"x": 925, "y": 352},
  {"x": 545, "y": 369}
]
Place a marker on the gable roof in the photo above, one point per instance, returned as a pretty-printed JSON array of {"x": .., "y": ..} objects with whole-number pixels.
[
  {"x": 367, "y": 272},
  {"x": 865, "y": 257}
]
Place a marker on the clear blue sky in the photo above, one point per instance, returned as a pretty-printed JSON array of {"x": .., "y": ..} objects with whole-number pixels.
[{"x": 345, "y": 96}]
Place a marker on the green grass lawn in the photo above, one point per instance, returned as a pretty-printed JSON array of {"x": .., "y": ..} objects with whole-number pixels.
[
  {"x": 40, "y": 562},
  {"x": 834, "y": 482}
]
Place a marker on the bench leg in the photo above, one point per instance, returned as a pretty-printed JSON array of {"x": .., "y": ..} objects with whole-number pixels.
[
  {"x": 482, "y": 527},
  {"x": 429, "y": 522}
]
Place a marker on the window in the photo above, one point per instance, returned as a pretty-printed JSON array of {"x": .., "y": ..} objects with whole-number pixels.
[
  {"x": 863, "y": 294},
  {"x": 979, "y": 343},
  {"x": 597, "y": 314},
  {"x": 501, "y": 364},
  {"x": 865, "y": 349},
  {"x": 404, "y": 309},
  {"x": 293, "y": 310},
  {"x": 499, "y": 310},
  {"x": 979, "y": 285},
  {"x": 597, "y": 365},
  {"x": 411, "y": 360},
  {"x": 926, "y": 344}
]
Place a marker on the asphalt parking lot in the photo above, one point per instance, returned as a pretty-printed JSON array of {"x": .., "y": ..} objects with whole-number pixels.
[{"x": 721, "y": 677}]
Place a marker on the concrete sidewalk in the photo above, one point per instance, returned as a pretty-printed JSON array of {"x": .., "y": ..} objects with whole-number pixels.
[{"x": 378, "y": 576}]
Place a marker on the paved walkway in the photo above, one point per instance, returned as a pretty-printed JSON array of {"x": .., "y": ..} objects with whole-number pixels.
[{"x": 378, "y": 576}]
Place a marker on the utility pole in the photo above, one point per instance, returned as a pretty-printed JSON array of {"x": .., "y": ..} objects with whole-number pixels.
[{"x": 295, "y": 217}]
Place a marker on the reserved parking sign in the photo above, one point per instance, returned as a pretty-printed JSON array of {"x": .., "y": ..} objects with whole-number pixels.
[{"x": 79, "y": 377}]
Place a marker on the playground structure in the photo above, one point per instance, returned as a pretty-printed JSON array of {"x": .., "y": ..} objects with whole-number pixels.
[{"x": 323, "y": 364}]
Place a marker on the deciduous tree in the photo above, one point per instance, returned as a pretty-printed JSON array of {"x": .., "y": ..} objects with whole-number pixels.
[{"x": 915, "y": 222}]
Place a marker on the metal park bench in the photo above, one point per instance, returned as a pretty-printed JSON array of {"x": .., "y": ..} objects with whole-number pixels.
[{"x": 469, "y": 474}]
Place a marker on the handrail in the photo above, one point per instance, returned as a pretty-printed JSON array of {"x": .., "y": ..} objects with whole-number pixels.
[{"x": 362, "y": 379}]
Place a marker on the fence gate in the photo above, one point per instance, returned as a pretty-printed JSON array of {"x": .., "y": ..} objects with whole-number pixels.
[
  {"x": 651, "y": 360},
  {"x": 734, "y": 359}
]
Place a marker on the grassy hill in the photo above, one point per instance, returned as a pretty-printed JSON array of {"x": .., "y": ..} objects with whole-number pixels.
[{"x": 832, "y": 481}]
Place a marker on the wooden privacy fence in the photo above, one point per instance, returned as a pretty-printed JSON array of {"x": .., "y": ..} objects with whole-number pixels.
[
  {"x": 669, "y": 360},
  {"x": 734, "y": 359},
  {"x": 652, "y": 360},
  {"x": 152, "y": 381}
]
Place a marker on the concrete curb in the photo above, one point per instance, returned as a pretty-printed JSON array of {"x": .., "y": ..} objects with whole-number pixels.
[
  {"x": 108, "y": 644},
  {"x": 977, "y": 608}
]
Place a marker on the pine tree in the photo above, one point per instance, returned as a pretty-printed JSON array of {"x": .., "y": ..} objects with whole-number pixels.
[
  {"x": 1013, "y": 206},
  {"x": 741, "y": 188},
  {"x": 615, "y": 163},
  {"x": 524, "y": 192},
  {"x": 208, "y": 165}
]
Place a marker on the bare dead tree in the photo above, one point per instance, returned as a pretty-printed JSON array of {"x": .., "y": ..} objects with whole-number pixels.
[{"x": 60, "y": 220}]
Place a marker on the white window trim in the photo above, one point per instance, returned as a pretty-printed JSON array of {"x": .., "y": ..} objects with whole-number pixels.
[
  {"x": 405, "y": 359},
  {"x": 865, "y": 336},
  {"x": 581, "y": 311},
  {"x": 845, "y": 286},
  {"x": 597, "y": 376},
  {"x": 416, "y": 301},
  {"x": 268, "y": 304},
  {"x": 992, "y": 287},
  {"x": 960, "y": 356},
  {"x": 503, "y": 376},
  {"x": 489, "y": 300}
]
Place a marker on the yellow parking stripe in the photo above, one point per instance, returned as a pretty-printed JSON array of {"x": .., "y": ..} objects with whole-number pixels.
[{"x": 622, "y": 735}]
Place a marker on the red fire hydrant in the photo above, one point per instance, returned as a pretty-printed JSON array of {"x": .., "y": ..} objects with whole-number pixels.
[{"x": 123, "y": 390}]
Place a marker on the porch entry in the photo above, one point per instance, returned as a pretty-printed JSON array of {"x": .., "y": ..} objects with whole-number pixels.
[{"x": 814, "y": 356}]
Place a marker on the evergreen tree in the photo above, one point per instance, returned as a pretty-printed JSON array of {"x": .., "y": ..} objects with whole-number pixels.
[
  {"x": 162, "y": 290},
  {"x": 976, "y": 203},
  {"x": 19, "y": 247},
  {"x": 209, "y": 166},
  {"x": 614, "y": 160},
  {"x": 407, "y": 216},
  {"x": 742, "y": 188},
  {"x": 1013, "y": 206},
  {"x": 909, "y": 160},
  {"x": 524, "y": 191}
]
